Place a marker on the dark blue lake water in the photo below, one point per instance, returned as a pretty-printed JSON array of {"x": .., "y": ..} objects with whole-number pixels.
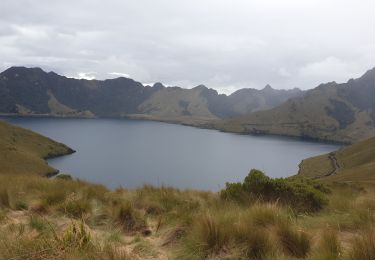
[{"x": 129, "y": 153}]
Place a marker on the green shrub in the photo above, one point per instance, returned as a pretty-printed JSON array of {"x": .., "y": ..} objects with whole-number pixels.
[
  {"x": 234, "y": 191},
  {"x": 64, "y": 176},
  {"x": 299, "y": 193}
]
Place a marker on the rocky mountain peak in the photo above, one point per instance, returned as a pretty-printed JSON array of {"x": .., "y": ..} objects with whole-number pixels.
[{"x": 268, "y": 88}]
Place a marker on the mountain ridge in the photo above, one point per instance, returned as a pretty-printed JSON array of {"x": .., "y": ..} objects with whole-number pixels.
[
  {"x": 32, "y": 91},
  {"x": 332, "y": 112}
]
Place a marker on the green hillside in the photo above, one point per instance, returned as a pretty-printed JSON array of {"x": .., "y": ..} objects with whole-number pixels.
[
  {"x": 23, "y": 151},
  {"x": 334, "y": 112},
  {"x": 355, "y": 163}
]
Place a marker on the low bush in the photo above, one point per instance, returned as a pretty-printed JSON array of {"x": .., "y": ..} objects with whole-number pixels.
[
  {"x": 299, "y": 193},
  {"x": 64, "y": 176}
]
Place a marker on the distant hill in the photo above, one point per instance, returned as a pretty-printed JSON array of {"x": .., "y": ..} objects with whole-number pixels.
[
  {"x": 355, "y": 163},
  {"x": 336, "y": 112},
  {"x": 32, "y": 91},
  {"x": 23, "y": 151}
]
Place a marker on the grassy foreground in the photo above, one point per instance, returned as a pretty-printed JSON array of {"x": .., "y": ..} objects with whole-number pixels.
[
  {"x": 62, "y": 218},
  {"x": 23, "y": 151}
]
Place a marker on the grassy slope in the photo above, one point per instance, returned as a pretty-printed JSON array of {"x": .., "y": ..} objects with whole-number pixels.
[
  {"x": 356, "y": 163},
  {"x": 38, "y": 215},
  {"x": 23, "y": 151},
  {"x": 305, "y": 117},
  {"x": 172, "y": 103}
]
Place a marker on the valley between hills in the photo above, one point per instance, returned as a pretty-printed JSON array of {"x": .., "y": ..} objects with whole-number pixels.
[
  {"x": 326, "y": 211},
  {"x": 330, "y": 112},
  {"x": 187, "y": 130}
]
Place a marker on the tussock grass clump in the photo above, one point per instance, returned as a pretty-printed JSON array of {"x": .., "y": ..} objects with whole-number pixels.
[
  {"x": 246, "y": 233},
  {"x": 129, "y": 218},
  {"x": 38, "y": 223},
  {"x": 77, "y": 236},
  {"x": 212, "y": 232},
  {"x": 294, "y": 242},
  {"x": 363, "y": 246},
  {"x": 74, "y": 242},
  {"x": 266, "y": 214},
  {"x": 145, "y": 249},
  {"x": 209, "y": 235},
  {"x": 173, "y": 205},
  {"x": 255, "y": 243},
  {"x": 75, "y": 208},
  {"x": 329, "y": 247}
]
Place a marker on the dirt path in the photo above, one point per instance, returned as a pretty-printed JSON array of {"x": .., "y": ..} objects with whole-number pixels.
[{"x": 335, "y": 164}]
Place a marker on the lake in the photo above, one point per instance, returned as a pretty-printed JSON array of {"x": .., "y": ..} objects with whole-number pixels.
[{"x": 130, "y": 153}]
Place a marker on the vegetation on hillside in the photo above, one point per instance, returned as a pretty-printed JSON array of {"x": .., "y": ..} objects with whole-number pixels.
[
  {"x": 62, "y": 218},
  {"x": 354, "y": 163},
  {"x": 304, "y": 195},
  {"x": 333, "y": 112},
  {"x": 23, "y": 151},
  {"x": 32, "y": 91}
]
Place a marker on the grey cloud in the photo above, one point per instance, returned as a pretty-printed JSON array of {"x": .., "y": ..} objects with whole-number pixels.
[{"x": 224, "y": 44}]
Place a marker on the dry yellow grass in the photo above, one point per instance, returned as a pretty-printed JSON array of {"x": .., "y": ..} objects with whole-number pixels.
[{"x": 44, "y": 218}]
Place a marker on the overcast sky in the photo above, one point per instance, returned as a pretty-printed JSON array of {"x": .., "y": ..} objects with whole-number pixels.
[{"x": 225, "y": 45}]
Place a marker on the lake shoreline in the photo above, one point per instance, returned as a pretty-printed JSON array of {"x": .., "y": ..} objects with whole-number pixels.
[
  {"x": 131, "y": 152},
  {"x": 194, "y": 123}
]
